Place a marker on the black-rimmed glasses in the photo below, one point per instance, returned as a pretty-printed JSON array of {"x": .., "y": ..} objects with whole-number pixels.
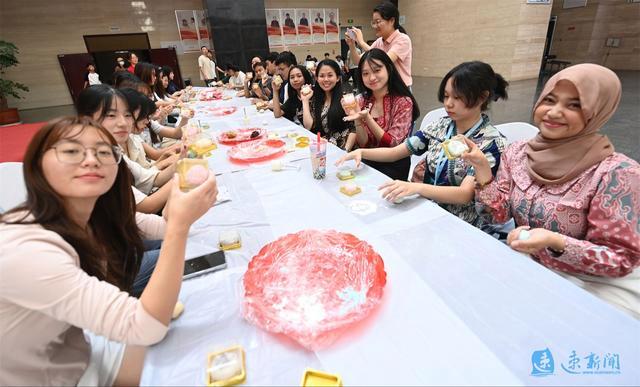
[{"x": 75, "y": 153}]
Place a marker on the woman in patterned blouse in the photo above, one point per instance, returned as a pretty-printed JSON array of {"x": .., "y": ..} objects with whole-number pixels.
[
  {"x": 465, "y": 92},
  {"x": 386, "y": 112},
  {"x": 577, "y": 199},
  {"x": 321, "y": 108}
]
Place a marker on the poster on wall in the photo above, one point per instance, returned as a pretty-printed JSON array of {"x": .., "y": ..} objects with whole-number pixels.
[
  {"x": 290, "y": 34},
  {"x": 332, "y": 25},
  {"x": 274, "y": 30},
  {"x": 304, "y": 28},
  {"x": 188, "y": 30},
  {"x": 317, "y": 25},
  {"x": 203, "y": 28}
]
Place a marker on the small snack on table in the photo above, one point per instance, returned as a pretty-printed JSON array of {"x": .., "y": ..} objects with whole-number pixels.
[
  {"x": 273, "y": 136},
  {"x": 261, "y": 105},
  {"x": 302, "y": 141},
  {"x": 192, "y": 173},
  {"x": 277, "y": 165},
  {"x": 255, "y": 86},
  {"x": 226, "y": 367},
  {"x": 186, "y": 112},
  {"x": 229, "y": 239},
  {"x": 454, "y": 147},
  {"x": 236, "y": 136},
  {"x": 318, "y": 378},
  {"x": 345, "y": 174},
  {"x": 203, "y": 145},
  {"x": 306, "y": 90},
  {"x": 350, "y": 189}
]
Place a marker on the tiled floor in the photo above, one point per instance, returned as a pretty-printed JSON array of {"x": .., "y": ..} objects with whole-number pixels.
[{"x": 623, "y": 129}]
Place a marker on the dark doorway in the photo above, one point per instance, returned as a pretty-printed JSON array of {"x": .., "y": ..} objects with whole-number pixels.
[{"x": 546, "y": 56}]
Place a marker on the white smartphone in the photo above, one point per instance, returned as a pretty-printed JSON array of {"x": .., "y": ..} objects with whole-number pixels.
[
  {"x": 351, "y": 34},
  {"x": 204, "y": 264}
]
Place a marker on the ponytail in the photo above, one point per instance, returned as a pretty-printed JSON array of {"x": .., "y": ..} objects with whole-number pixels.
[
  {"x": 475, "y": 81},
  {"x": 500, "y": 91}
]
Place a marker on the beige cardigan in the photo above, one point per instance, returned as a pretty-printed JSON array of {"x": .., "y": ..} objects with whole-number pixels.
[{"x": 46, "y": 300}]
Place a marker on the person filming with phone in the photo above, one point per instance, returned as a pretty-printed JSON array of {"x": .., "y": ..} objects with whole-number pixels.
[{"x": 392, "y": 39}]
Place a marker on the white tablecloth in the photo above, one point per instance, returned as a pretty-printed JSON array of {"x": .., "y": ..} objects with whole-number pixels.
[{"x": 460, "y": 308}]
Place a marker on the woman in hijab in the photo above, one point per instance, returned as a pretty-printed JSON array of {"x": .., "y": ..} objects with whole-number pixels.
[{"x": 575, "y": 201}]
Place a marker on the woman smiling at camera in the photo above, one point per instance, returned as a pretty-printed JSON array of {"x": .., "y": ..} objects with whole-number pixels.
[
  {"x": 68, "y": 258},
  {"x": 576, "y": 201}
]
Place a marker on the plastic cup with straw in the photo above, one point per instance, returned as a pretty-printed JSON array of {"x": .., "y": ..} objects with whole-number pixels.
[
  {"x": 318, "y": 158},
  {"x": 246, "y": 117}
]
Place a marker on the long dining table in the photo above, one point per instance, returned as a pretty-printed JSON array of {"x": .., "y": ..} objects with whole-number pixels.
[{"x": 459, "y": 307}]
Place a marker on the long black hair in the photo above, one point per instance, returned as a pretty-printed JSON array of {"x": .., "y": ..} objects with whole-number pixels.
[
  {"x": 144, "y": 71},
  {"x": 97, "y": 98},
  {"x": 388, "y": 11},
  {"x": 395, "y": 84},
  {"x": 308, "y": 79},
  {"x": 136, "y": 100},
  {"x": 113, "y": 252},
  {"x": 336, "y": 112},
  {"x": 293, "y": 103},
  {"x": 474, "y": 81}
]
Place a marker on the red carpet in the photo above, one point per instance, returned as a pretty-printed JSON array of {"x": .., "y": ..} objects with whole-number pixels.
[{"x": 15, "y": 139}]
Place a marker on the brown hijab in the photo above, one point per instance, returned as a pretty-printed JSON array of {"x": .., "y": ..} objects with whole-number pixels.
[{"x": 557, "y": 161}]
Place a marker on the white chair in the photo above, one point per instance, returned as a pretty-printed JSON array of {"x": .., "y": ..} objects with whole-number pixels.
[
  {"x": 517, "y": 131},
  {"x": 13, "y": 190},
  {"x": 432, "y": 116}
]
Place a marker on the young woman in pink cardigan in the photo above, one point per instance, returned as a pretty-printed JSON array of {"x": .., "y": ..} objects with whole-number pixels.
[
  {"x": 68, "y": 258},
  {"x": 575, "y": 201}
]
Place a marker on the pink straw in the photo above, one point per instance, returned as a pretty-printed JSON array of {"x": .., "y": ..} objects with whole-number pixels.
[{"x": 318, "y": 147}]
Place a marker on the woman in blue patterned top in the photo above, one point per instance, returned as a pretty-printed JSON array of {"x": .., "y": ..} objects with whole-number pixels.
[{"x": 465, "y": 91}]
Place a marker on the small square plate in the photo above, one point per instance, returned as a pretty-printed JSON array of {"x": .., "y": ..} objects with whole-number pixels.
[{"x": 318, "y": 378}]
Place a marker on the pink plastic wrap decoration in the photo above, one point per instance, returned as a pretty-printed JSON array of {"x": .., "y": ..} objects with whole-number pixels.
[
  {"x": 223, "y": 111},
  {"x": 235, "y": 136},
  {"x": 210, "y": 95},
  {"x": 257, "y": 151},
  {"x": 312, "y": 285}
]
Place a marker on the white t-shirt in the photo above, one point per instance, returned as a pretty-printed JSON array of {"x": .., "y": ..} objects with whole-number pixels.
[
  {"x": 94, "y": 79},
  {"x": 206, "y": 67},
  {"x": 238, "y": 79}
]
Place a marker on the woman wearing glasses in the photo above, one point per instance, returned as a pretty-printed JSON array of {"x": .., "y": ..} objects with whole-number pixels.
[
  {"x": 392, "y": 39},
  {"x": 69, "y": 256}
]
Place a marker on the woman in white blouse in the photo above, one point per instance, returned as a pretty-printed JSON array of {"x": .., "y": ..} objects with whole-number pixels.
[{"x": 68, "y": 258}]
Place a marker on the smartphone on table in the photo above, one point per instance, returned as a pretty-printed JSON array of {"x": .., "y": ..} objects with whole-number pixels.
[{"x": 203, "y": 264}]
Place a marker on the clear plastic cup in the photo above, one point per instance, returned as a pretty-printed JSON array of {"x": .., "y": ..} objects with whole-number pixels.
[
  {"x": 350, "y": 102},
  {"x": 318, "y": 153},
  {"x": 192, "y": 173}
]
